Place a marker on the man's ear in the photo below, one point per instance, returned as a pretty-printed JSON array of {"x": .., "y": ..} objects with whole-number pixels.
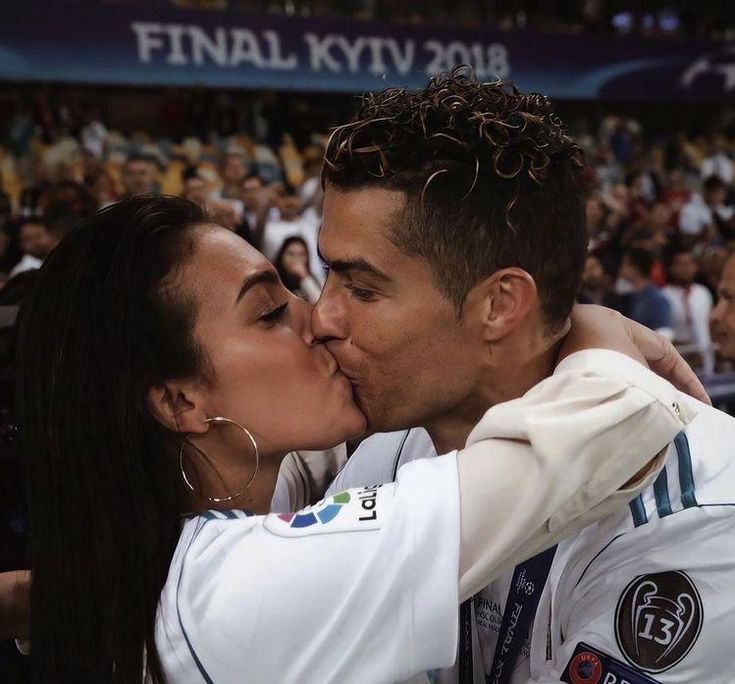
[
  {"x": 178, "y": 406},
  {"x": 506, "y": 298}
]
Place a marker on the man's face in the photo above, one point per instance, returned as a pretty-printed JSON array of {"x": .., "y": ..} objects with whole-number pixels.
[
  {"x": 394, "y": 334},
  {"x": 35, "y": 240},
  {"x": 594, "y": 275},
  {"x": 290, "y": 207},
  {"x": 195, "y": 190},
  {"x": 234, "y": 170},
  {"x": 684, "y": 269},
  {"x": 252, "y": 188},
  {"x": 723, "y": 315},
  {"x": 139, "y": 177}
]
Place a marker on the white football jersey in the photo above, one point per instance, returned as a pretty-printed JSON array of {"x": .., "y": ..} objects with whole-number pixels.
[
  {"x": 644, "y": 595},
  {"x": 361, "y": 587}
]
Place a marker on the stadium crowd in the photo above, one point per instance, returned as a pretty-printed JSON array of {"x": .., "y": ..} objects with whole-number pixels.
[{"x": 661, "y": 211}]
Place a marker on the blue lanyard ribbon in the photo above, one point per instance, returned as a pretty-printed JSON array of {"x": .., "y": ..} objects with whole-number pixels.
[{"x": 525, "y": 591}]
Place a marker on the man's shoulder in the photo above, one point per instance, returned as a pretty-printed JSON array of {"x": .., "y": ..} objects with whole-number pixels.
[{"x": 685, "y": 504}]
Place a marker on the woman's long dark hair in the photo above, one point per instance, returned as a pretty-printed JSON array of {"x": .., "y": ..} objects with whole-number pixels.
[{"x": 103, "y": 325}]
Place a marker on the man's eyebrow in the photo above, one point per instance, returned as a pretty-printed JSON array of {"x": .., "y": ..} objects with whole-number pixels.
[
  {"x": 255, "y": 279},
  {"x": 358, "y": 265}
]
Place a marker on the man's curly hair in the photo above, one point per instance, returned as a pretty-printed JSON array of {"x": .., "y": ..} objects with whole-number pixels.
[{"x": 492, "y": 179}]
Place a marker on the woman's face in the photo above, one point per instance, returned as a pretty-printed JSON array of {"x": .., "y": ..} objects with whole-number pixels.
[
  {"x": 267, "y": 372},
  {"x": 294, "y": 256}
]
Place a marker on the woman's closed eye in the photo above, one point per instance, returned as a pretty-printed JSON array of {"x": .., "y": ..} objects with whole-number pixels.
[{"x": 275, "y": 315}]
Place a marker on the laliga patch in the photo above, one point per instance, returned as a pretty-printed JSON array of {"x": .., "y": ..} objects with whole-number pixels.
[
  {"x": 591, "y": 666},
  {"x": 349, "y": 511},
  {"x": 658, "y": 619}
]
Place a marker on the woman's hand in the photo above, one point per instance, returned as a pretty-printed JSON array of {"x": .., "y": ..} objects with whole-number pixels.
[
  {"x": 602, "y": 328},
  {"x": 15, "y": 604}
]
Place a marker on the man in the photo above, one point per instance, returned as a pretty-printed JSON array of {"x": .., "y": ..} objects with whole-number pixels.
[
  {"x": 291, "y": 222},
  {"x": 597, "y": 286},
  {"x": 36, "y": 243},
  {"x": 718, "y": 162},
  {"x": 454, "y": 229},
  {"x": 707, "y": 216},
  {"x": 196, "y": 189},
  {"x": 139, "y": 176},
  {"x": 234, "y": 172},
  {"x": 691, "y": 304},
  {"x": 646, "y": 305}
]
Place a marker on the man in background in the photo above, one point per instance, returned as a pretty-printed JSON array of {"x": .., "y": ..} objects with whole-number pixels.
[
  {"x": 691, "y": 304},
  {"x": 36, "y": 244},
  {"x": 139, "y": 176},
  {"x": 707, "y": 217},
  {"x": 646, "y": 304}
]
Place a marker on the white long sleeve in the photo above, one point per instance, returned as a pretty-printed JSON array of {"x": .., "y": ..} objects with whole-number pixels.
[{"x": 599, "y": 420}]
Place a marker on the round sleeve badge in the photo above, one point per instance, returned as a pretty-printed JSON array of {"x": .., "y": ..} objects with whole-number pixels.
[{"x": 658, "y": 619}]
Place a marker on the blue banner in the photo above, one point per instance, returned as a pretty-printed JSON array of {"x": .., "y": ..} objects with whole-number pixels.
[{"x": 89, "y": 43}]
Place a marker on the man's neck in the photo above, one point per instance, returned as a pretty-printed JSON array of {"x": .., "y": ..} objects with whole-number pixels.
[{"x": 502, "y": 381}]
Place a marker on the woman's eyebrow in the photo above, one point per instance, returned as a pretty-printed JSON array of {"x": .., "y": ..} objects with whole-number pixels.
[{"x": 254, "y": 279}]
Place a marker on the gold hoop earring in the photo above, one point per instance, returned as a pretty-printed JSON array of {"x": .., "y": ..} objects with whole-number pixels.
[{"x": 217, "y": 499}]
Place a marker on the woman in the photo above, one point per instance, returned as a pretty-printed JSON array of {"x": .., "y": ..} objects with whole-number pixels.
[
  {"x": 156, "y": 405},
  {"x": 292, "y": 264}
]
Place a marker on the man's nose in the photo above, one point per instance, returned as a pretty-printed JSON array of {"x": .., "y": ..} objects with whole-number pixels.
[{"x": 328, "y": 317}]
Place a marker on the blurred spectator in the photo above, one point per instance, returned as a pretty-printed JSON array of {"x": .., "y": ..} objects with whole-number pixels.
[
  {"x": 653, "y": 243},
  {"x": 258, "y": 206},
  {"x": 101, "y": 188},
  {"x": 723, "y": 315},
  {"x": 94, "y": 135},
  {"x": 691, "y": 305},
  {"x": 36, "y": 243},
  {"x": 139, "y": 176},
  {"x": 646, "y": 304},
  {"x": 718, "y": 162},
  {"x": 597, "y": 285},
  {"x": 311, "y": 189},
  {"x": 234, "y": 172},
  {"x": 290, "y": 223},
  {"x": 195, "y": 187},
  {"x": 292, "y": 264},
  {"x": 676, "y": 195},
  {"x": 224, "y": 213},
  {"x": 706, "y": 217}
]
